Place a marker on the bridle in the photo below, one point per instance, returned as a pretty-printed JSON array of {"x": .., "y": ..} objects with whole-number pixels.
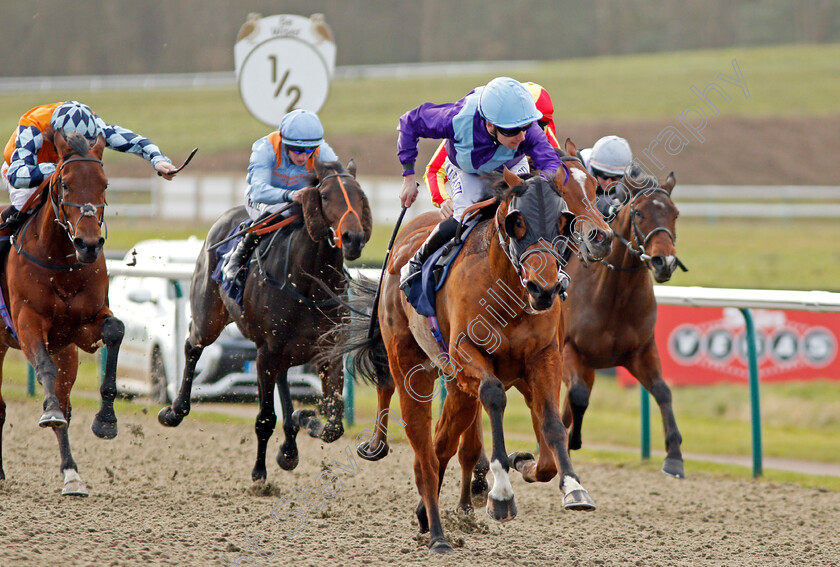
[
  {"x": 335, "y": 236},
  {"x": 639, "y": 238},
  {"x": 86, "y": 210}
]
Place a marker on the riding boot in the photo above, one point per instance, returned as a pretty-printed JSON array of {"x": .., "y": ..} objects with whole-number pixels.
[
  {"x": 11, "y": 218},
  {"x": 239, "y": 258},
  {"x": 441, "y": 234}
]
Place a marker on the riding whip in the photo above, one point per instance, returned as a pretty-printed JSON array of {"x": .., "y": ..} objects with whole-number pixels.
[{"x": 374, "y": 310}]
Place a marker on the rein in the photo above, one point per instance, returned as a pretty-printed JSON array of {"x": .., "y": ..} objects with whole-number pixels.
[
  {"x": 87, "y": 210},
  {"x": 335, "y": 239}
]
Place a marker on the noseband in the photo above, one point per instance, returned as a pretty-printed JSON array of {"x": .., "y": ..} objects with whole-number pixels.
[
  {"x": 86, "y": 210},
  {"x": 335, "y": 236}
]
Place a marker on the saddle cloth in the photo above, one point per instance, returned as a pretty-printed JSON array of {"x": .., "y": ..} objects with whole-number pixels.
[
  {"x": 421, "y": 292},
  {"x": 223, "y": 253}
]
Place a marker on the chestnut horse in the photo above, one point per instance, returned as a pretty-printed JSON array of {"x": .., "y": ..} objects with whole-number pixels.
[
  {"x": 499, "y": 316},
  {"x": 56, "y": 287},
  {"x": 611, "y": 311},
  {"x": 288, "y": 303}
]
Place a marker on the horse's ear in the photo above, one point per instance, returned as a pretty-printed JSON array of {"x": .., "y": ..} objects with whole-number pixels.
[
  {"x": 670, "y": 183},
  {"x": 367, "y": 217},
  {"x": 571, "y": 148},
  {"x": 313, "y": 215},
  {"x": 511, "y": 178},
  {"x": 61, "y": 145},
  {"x": 99, "y": 146},
  {"x": 351, "y": 167}
]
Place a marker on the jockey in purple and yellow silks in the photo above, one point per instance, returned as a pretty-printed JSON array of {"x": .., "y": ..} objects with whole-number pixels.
[
  {"x": 492, "y": 127},
  {"x": 276, "y": 170},
  {"x": 435, "y": 176},
  {"x": 30, "y": 155}
]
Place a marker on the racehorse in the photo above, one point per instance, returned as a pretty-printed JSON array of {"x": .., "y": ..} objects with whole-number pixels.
[
  {"x": 56, "y": 287},
  {"x": 498, "y": 317},
  {"x": 611, "y": 310},
  {"x": 288, "y": 303}
]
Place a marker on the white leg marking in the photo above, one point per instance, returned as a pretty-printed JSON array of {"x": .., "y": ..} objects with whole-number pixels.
[
  {"x": 570, "y": 485},
  {"x": 502, "y": 490},
  {"x": 71, "y": 475}
]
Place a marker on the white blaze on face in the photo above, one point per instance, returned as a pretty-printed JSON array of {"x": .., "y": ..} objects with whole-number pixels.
[
  {"x": 580, "y": 177},
  {"x": 502, "y": 490}
]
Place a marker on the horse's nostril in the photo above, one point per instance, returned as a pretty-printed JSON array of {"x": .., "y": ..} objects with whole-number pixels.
[{"x": 657, "y": 261}]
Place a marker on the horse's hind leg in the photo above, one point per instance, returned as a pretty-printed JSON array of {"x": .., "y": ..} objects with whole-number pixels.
[
  {"x": 3, "y": 349},
  {"x": 332, "y": 406},
  {"x": 377, "y": 446},
  {"x": 647, "y": 369},
  {"x": 474, "y": 467},
  {"x": 67, "y": 361},
  {"x": 104, "y": 425},
  {"x": 579, "y": 380}
]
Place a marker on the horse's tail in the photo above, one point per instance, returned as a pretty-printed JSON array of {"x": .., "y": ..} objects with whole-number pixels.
[{"x": 364, "y": 357}]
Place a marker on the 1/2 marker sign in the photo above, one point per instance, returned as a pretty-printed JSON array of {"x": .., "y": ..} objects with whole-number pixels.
[{"x": 283, "y": 63}]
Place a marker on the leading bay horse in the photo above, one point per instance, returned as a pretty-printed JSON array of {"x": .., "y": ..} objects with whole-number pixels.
[
  {"x": 610, "y": 314},
  {"x": 498, "y": 317},
  {"x": 56, "y": 287},
  {"x": 289, "y": 302}
]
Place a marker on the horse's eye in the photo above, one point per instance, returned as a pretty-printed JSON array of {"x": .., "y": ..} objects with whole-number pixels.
[
  {"x": 519, "y": 223},
  {"x": 638, "y": 213},
  {"x": 325, "y": 196}
]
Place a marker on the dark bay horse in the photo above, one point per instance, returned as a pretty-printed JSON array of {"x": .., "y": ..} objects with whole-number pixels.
[
  {"x": 610, "y": 314},
  {"x": 56, "y": 287},
  {"x": 499, "y": 316},
  {"x": 289, "y": 302}
]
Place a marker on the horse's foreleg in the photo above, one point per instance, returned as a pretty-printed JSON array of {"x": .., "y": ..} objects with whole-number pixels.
[
  {"x": 376, "y": 447},
  {"x": 3, "y": 349},
  {"x": 647, "y": 369},
  {"x": 501, "y": 505},
  {"x": 579, "y": 380},
  {"x": 46, "y": 372},
  {"x": 542, "y": 396},
  {"x": 104, "y": 424},
  {"x": 67, "y": 362},
  {"x": 171, "y": 416}
]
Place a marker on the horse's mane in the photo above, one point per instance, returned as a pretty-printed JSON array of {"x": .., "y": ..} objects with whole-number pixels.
[
  {"x": 639, "y": 179},
  {"x": 79, "y": 145}
]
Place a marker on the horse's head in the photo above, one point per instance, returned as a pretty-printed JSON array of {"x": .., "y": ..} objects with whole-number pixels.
[
  {"x": 592, "y": 235},
  {"x": 531, "y": 221},
  {"x": 653, "y": 218},
  {"x": 77, "y": 193},
  {"x": 337, "y": 209}
]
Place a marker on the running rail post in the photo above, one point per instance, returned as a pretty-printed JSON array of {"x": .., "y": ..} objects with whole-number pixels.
[
  {"x": 755, "y": 401},
  {"x": 645, "y": 428},
  {"x": 30, "y": 381},
  {"x": 349, "y": 394}
]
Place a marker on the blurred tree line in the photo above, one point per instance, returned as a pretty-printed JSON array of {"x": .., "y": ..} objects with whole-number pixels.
[{"x": 56, "y": 37}]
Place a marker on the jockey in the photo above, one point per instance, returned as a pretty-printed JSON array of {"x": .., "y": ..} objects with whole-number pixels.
[
  {"x": 435, "y": 176},
  {"x": 277, "y": 169},
  {"x": 607, "y": 161},
  {"x": 30, "y": 155},
  {"x": 491, "y": 127}
]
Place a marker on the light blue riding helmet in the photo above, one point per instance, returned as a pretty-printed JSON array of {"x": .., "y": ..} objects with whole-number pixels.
[
  {"x": 506, "y": 103},
  {"x": 73, "y": 116},
  {"x": 302, "y": 128}
]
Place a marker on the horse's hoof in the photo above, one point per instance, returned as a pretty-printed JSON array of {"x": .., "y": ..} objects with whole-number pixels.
[
  {"x": 287, "y": 462},
  {"x": 73, "y": 484},
  {"x": 525, "y": 463},
  {"x": 479, "y": 487},
  {"x": 168, "y": 418},
  {"x": 307, "y": 419},
  {"x": 258, "y": 475},
  {"x": 674, "y": 468},
  {"x": 440, "y": 546},
  {"x": 74, "y": 488},
  {"x": 578, "y": 500},
  {"x": 53, "y": 418},
  {"x": 501, "y": 510},
  {"x": 103, "y": 429},
  {"x": 363, "y": 450},
  {"x": 330, "y": 433}
]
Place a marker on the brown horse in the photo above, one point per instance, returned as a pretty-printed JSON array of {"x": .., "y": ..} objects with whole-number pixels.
[
  {"x": 56, "y": 287},
  {"x": 499, "y": 316},
  {"x": 289, "y": 302},
  {"x": 611, "y": 311}
]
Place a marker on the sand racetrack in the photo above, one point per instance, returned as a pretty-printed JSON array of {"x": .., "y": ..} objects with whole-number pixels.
[{"x": 184, "y": 497}]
